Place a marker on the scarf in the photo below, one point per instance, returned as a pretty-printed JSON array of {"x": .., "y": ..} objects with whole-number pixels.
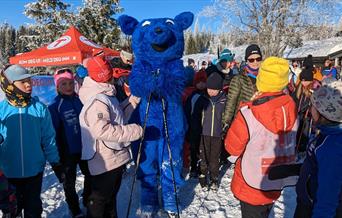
[
  {"x": 14, "y": 96},
  {"x": 220, "y": 68},
  {"x": 251, "y": 72}
]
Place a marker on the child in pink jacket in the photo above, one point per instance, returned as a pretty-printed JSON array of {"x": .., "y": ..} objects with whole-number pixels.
[{"x": 105, "y": 138}]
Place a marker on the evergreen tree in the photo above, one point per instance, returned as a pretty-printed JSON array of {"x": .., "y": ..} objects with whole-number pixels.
[
  {"x": 191, "y": 47},
  {"x": 95, "y": 20},
  {"x": 21, "y": 45},
  {"x": 51, "y": 18},
  {"x": 7, "y": 42}
]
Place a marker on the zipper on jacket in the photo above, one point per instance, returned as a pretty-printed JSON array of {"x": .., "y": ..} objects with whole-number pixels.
[
  {"x": 21, "y": 143},
  {"x": 212, "y": 118}
]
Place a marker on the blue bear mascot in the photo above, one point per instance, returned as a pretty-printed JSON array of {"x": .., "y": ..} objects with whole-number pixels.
[{"x": 158, "y": 78}]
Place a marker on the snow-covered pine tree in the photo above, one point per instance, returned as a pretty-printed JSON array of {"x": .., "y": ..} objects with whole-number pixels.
[
  {"x": 125, "y": 43},
  {"x": 51, "y": 17},
  {"x": 21, "y": 44},
  {"x": 95, "y": 20},
  {"x": 7, "y": 43},
  {"x": 275, "y": 24}
]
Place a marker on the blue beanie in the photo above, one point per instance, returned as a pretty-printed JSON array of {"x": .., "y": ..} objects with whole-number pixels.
[{"x": 227, "y": 55}]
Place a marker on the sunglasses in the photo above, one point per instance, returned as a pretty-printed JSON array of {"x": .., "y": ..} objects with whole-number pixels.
[
  {"x": 251, "y": 60},
  {"x": 64, "y": 70}
]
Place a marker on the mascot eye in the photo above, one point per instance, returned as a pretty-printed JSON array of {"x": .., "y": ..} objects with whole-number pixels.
[
  {"x": 146, "y": 23},
  {"x": 169, "y": 22}
]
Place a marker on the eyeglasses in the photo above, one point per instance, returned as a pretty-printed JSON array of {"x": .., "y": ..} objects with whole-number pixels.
[
  {"x": 251, "y": 60},
  {"x": 64, "y": 70}
]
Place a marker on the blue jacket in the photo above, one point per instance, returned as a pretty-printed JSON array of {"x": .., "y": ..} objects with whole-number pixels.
[
  {"x": 320, "y": 180},
  {"x": 65, "y": 111},
  {"x": 29, "y": 139},
  {"x": 330, "y": 72}
]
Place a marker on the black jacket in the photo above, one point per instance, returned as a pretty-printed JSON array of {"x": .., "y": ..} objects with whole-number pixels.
[
  {"x": 226, "y": 77},
  {"x": 207, "y": 115}
]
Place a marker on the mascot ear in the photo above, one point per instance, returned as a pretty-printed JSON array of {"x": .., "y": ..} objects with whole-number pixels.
[
  {"x": 184, "y": 19},
  {"x": 127, "y": 24}
]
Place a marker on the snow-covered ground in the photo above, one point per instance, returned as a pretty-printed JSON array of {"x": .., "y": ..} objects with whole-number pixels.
[{"x": 194, "y": 202}]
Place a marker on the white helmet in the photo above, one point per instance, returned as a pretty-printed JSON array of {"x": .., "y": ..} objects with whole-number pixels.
[{"x": 328, "y": 100}]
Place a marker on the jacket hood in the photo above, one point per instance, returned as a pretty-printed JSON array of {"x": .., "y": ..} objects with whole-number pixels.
[
  {"x": 277, "y": 114},
  {"x": 330, "y": 130},
  {"x": 91, "y": 88}
]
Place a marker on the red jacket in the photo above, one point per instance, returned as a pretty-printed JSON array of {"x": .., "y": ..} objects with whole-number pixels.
[{"x": 271, "y": 115}]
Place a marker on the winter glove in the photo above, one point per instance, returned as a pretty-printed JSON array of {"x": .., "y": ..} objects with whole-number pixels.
[
  {"x": 134, "y": 101},
  {"x": 59, "y": 172},
  {"x": 224, "y": 131},
  {"x": 283, "y": 171}
]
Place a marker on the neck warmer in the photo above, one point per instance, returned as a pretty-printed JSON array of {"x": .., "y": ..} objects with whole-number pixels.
[
  {"x": 14, "y": 96},
  {"x": 251, "y": 72},
  {"x": 220, "y": 68}
]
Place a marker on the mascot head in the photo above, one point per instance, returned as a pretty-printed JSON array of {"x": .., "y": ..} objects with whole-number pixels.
[{"x": 157, "y": 40}]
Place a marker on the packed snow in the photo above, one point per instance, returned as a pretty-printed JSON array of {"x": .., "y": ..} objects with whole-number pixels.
[{"x": 193, "y": 200}]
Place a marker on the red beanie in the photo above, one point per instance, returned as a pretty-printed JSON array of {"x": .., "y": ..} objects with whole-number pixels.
[{"x": 99, "y": 69}]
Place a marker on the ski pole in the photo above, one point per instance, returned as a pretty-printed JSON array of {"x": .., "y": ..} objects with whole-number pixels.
[
  {"x": 170, "y": 155},
  {"x": 138, "y": 157}
]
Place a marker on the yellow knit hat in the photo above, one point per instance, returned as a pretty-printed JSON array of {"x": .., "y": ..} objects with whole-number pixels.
[{"x": 273, "y": 75}]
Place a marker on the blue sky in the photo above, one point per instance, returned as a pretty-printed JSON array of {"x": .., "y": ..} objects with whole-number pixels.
[{"x": 11, "y": 11}]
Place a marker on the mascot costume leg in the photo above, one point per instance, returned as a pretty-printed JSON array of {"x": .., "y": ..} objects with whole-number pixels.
[{"x": 158, "y": 78}]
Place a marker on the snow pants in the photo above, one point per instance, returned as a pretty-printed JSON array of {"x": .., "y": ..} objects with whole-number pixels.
[
  {"x": 28, "y": 195},
  {"x": 255, "y": 211},
  {"x": 104, "y": 188},
  {"x": 70, "y": 164},
  {"x": 8, "y": 201},
  {"x": 155, "y": 169},
  {"x": 210, "y": 151},
  {"x": 194, "y": 154}
]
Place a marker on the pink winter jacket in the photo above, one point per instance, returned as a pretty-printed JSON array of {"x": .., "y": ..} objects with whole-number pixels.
[{"x": 104, "y": 136}]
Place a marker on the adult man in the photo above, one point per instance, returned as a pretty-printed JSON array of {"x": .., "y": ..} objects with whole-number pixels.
[{"x": 223, "y": 66}]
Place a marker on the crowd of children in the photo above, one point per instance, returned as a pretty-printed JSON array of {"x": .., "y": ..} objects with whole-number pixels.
[
  {"x": 270, "y": 114},
  {"x": 258, "y": 118}
]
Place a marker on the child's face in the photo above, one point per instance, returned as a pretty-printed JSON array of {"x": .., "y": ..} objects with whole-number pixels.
[
  {"x": 213, "y": 92},
  {"x": 66, "y": 87},
  {"x": 24, "y": 85}
]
